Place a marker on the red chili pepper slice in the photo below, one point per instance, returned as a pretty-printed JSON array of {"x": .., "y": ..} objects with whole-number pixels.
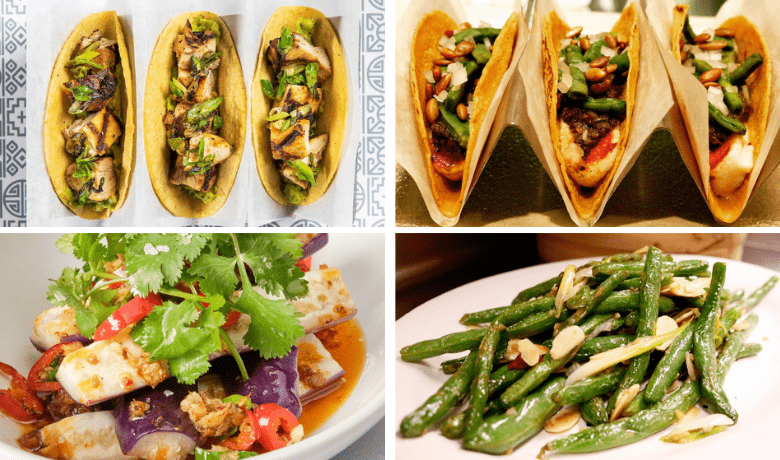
[
  {"x": 134, "y": 310},
  {"x": 717, "y": 155},
  {"x": 231, "y": 319},
  {"x": 601, "y": 150},
  {"x": 19, "y": 402},
  {"x": 271, "y": 417},
  {"x": 34, "y": 381},
  {"x": 247, "y": 436},
  {"x": 304, "y": 264}
]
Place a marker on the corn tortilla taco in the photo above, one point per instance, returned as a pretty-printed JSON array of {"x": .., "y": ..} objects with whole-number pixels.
[
  {"x": 300, "y": 98},
  {"x": 89, "y": 122},
  {"x": 194, "y": 115},
  {"x": 590, "y": 83},
  {"x": 732, "y": 62},
  {"x": 455, "y": 73}
]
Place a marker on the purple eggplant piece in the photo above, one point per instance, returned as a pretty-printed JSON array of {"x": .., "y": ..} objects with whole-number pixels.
[
  {"x": 163, "y": 428},
  {"x": 314, "y": 244},
  {"x": 270, "y": 380},
  {"x": 76, "y": 338}
]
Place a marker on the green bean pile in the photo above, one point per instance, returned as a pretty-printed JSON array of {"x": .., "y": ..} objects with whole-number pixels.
[{"x": 616, "y": 302}]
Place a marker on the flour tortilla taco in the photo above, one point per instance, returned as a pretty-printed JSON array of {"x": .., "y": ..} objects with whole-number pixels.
[
  {"x": 89, "y": 123},
  {"x": 455, "y": 73},
  {"x": 732, "y": 62},
  {"x": 300, "y": 98},
  {"x": 590, "y": 83},
  {"x": 194, "y": 115}
]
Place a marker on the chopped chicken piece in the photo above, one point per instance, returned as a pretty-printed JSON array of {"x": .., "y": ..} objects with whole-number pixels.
[
  {"x": 200, "y": 182},
  {"x": 102, "y": 184},
  {"x": 99, "y": 129},
  {"x": 211, "y": 416},
  {"x": 100, "y": 86}
]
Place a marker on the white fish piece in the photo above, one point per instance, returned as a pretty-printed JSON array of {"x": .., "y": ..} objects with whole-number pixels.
[
  {"x": 88, "y": 436},
  {"x": 51, "y": 326}
]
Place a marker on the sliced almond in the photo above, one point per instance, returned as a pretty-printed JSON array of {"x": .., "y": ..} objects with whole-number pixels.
[
  {"x": 689, "y": 365},
  {"x": 675, "y": 385},
  {"x": 563, "y": 420},
  {"x": 567, "y": 281},
  {"x": 566, "y": 340},
  {"x": 623, "y": 400},
  {"x": 683, "y": 287},
  {"x": 686, "y": 315},
  {"x": 692, "y": 414},
  {"x": 663, "y": 325}
]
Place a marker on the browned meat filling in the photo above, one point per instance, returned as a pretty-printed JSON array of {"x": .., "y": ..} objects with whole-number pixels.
[
  {"x": 446, "y": 155},
  {"x": 588, "y": 127}
]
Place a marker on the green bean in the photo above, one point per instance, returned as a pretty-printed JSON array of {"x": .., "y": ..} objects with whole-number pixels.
[
  {"x": 666, "y": 370},
  {"x": 598, "y": 345},
  {"x": 458, "y": 128},
  {"x": 581, "y": 298},
  {"x": 478, "y": 33},
  {"x": 635, "y": 269},
  {"x": 622, "y": 61},
  {"x": 731, "y": 124},
  {"x": 526, "y": 308},
  {"x": 633, "y": 283},
  {"x": 758, "y": 294},
  {"x": 625, "y": 257},
  {"x": 451, "y": 365},
  {"x": 611, "y": 105},
  {"x": 456, "y": 94},
  {"x": 749, "y": 349},
  {"x": 636, "y": 405},
  {"x": 481, "y": 54},
  {"x": 734, "y": 345},
  {"x": 730, "y": 92},
  {"x": 479, "y": 386},
  {"x": 688, "y": 33},
  {"x": 503, "y": 432},
  {"x": 704, "y": 346},
  {"x": 579, "y": 85},
  {"x": 594, "y": 51},
  {"x": 629, "y": 429},
  {"x": 454, "y": 426},
  {"x": 535, "y": 324},
  {"x": 539, "y": 290},
  {"x": 628, "y": 301},
  {"x": 437, "y": 406},
  {"x": 748, "y": 66},
  {"x": 534, "y": 377},
  {"x": 588, "y": 388},
  {"x": 450, "y": 343},
  {"x": 502, "y": 378},
  {"x": 649, "y": 294},
  {"x": 572, "y": 54},
  {"x": 594, "y": 411}
]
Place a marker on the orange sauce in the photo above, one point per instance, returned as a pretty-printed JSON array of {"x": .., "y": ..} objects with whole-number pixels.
[{"x": 346, "y": 344}]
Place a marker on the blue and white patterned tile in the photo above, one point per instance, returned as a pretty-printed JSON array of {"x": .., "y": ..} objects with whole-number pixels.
[{"x": 13, "y": 108}]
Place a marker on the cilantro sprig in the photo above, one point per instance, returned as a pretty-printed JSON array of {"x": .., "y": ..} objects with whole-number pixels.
[{"x": 196, "y": 275}]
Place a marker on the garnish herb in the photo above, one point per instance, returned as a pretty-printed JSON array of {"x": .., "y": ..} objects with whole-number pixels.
[
  {"x": 285, "y": 41},
  {"x": 182, "y": 330}
]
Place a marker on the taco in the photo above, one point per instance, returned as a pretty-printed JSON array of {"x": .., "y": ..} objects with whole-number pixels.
[
  {"x": 299, "y": 105},
  {"x": 89, "y": 124},
  {"x": 194, "y": 115},
  {"x": 732, "y": 62},
  {"x": 590, "y": 83},
  {"x": 455, "y": 73}
]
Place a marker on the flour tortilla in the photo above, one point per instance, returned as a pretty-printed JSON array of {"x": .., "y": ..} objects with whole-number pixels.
[
  {"x": 749, "y": 41},
  {"x": 586, "y": 202},
  {"x": 57, "y": 118},
  {"x": 449, "y": 196},
  {"x": 230, "y": 85},
  {"x": 332, "y": 119}
]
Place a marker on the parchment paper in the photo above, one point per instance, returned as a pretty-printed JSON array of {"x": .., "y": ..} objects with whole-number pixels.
[
  {"x": 248, "y": 203},
  {"x": 408, "y": 152},
  {"x": 691, "y": 97},
  {"x": 653, "y": 101}
]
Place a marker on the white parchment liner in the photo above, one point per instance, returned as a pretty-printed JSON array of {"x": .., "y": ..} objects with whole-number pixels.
[
  {"x": 653, "y": 101},
  {"x": 144, "y": 20},
  {"x": 691, "y": 97},
  {"x": 408, "y": 152}
]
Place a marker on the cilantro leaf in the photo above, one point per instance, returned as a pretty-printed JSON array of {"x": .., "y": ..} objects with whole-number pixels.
[
  {"x": 166, "y": 332},
  {"x": 154, "y": 258},
  {"x": 188, "y": 367},
  {"x": 274, "y": 327},
  {"x": 217, "y": 272},
  {"x": 271, "y": 257},
  {"x": 100, "y": 307}
]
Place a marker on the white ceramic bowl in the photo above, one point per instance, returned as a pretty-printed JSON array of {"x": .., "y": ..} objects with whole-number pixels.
[{"x": 29, "y": 261}]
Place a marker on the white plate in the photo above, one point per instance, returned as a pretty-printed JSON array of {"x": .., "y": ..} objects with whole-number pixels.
[
  {"x": 28, "y": 261},
  {"x": 752, "y": 385}
]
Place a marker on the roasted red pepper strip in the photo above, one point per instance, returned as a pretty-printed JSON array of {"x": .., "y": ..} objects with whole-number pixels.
[
  {"x": 34, "y": 381},
  {"x": 19, "y": 402},
  {"x": 717, "y": 155},
  {"x": 601, "y": 150},
  {"x": 270, "y": 418},
  {"x": 134, "y": 310},
  {"x": 247, "y": 436}
]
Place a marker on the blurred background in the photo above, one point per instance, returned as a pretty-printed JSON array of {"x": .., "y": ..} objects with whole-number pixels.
[
  {"x": 698, "y": 8},
  {"x": 428, "y": 265}
]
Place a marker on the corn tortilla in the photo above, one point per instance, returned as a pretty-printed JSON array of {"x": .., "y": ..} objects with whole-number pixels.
[
  {"x": 57, "y": 118},
  {"x": 449, "y": 196},
  {"x": 587, "y": 201},
  {"x": 159, "y": 157},
  {"x": 332, "y": 119}
]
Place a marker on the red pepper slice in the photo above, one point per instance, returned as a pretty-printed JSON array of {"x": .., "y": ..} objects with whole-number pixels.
[
  {"x": 271, "y": 417},
  {"x": 304, "y": 264},
  {"x": 601, "y": 150},
  {"x": 717, "y": 155},
  {"x": 231, "y": 319},
  {"x": 247, "y": 436},
  {"x": 34, "y": 381},
  {"x": 134, "y": 310},
  {"x": 19, "y": 402}
]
